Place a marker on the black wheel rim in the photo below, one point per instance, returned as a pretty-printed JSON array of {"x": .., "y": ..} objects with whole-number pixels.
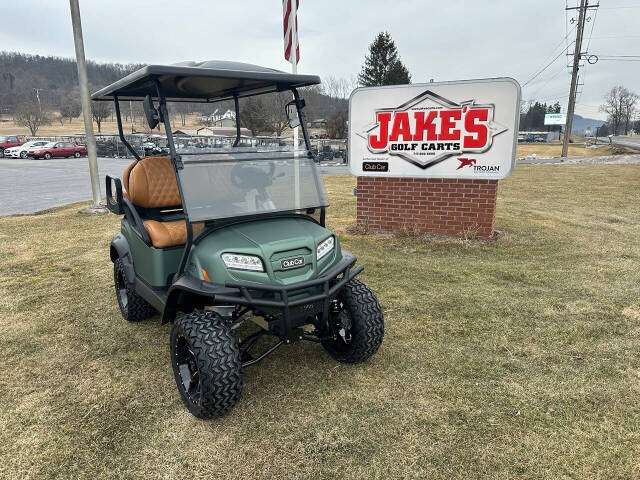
[
  {"x": 342, "y": 325},
  {"x": 345, "y": 324},
  {"x": 187, "y": 369},
  {"x": 121, "y": 289}
]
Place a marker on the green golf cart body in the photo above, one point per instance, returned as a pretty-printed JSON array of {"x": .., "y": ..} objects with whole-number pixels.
[{"x": 231, "y": 235}]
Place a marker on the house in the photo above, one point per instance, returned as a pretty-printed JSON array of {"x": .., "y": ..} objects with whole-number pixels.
[
  {"x": 318, "y": 123},
  {"x": 223, "y": 131},
  {"x": 219, "y": 119}
]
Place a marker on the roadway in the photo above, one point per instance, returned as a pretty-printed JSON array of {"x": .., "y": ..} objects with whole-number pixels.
[
  {"x": 29, "y": 186},
  {"x": 630, "y": 142}
]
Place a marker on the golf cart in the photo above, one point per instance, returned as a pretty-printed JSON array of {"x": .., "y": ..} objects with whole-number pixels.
[{"x": 217, "y": 237}]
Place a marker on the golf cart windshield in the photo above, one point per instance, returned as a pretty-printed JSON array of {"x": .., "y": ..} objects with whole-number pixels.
[{"x": 233, "y": 182}]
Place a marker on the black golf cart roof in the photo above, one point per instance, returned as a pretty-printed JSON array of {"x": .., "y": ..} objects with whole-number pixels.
[{"x": 209, "y": 81}]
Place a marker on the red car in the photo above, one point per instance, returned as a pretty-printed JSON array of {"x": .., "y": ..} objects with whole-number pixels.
[
  {"x": 9, "y": 141},
  {"x": 58, "y": 149}
]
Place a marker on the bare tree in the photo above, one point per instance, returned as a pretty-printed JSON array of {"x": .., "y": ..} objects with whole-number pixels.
[
  {"x": 100, "y": 111},
  {"x": 32, "y": 115},
  {"x": 337, "y": 126},
  {"x": 253, "y": 115},
  {"x": 183, "y": 109},
  {"x": 621, "y": 106},
  {"x": 629, "y": 110},
  {"x": 70, "y": 109},
  {"x": 339, "y": 87},
  {"x": 275, "y": 114}
]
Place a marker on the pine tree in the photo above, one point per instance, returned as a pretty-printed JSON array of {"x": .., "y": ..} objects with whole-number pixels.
[{"x": 382, "y": 65}]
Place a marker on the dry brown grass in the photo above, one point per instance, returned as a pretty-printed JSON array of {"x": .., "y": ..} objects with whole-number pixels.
[
  {"x": 77, "y": 126},
  {"x": 509, "y": 359},
  {"x": 550, "y": 150}
]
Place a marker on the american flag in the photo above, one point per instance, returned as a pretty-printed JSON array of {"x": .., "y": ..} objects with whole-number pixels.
[{"x": 290, "y": 22}]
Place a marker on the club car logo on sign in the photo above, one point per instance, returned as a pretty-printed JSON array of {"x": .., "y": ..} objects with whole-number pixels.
[
  {"x": 429, "y": 129},
  {"x": 463, "y": 129}
]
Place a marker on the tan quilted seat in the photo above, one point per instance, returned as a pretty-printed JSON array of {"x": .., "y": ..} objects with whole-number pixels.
[
  {"x": 169, "y": 234},
  {"x": 151, "y": 183}
]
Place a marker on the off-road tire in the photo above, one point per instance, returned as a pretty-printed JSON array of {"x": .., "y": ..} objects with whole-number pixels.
[
  {"x": 217, "y": 357},
  {"x": 367, "y": 325},
  {"x": 135, "y": 308}
]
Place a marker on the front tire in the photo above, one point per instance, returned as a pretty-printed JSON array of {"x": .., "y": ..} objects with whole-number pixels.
[
  {"x": 206, "y": 362},
  {"x": 23, "y": 154},
  {"x": 133, "y": 307},
  {"x": 358, "y": 326},
  {"x": 77, "y": 154},
  {"x": 47, "y": 156},
  {"x": 1, "y": 152}
]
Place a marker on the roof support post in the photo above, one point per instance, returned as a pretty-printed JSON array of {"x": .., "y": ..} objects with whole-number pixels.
[
  {"x": 303, "y": 123},
  {"x": 177, "y": 165},
  {"x": 120, "y": 132},
  {"x": 237, "y": 105}
]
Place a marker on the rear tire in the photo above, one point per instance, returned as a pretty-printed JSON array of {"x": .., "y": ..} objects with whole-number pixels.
[
  {"x": 360, "y": 325},
  {"x": 1, "y": 152},
  {"x": 133, "y": 307},
  {"x": 206, "y": 362}
]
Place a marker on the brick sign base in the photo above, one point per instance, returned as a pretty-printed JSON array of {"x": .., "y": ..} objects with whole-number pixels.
[{"x": 427, "y": 205}]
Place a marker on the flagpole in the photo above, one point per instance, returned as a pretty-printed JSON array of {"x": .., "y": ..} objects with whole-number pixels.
[{"x": 294, "y": 70}]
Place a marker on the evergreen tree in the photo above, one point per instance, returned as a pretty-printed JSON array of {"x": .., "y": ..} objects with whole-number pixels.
[{"x": 382, "y": 65}]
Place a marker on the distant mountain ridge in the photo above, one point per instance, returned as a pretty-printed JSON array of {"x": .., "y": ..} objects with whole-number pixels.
[{"x": 581, "y": 124}]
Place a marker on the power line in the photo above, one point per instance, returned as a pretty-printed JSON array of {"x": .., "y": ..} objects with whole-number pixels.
[
  {"x": 556, "y": 75},
  {"x": 546, "y": 66},
  {"x": 621, "y": 6},
  {"x": 552, "y": 61}
]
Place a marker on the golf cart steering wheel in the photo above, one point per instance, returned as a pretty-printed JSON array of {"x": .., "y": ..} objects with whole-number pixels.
[{"x": 250, "y": 177}]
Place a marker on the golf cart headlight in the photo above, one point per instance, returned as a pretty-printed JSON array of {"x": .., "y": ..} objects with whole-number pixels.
[
  {"x": 242, "y": 262},
  {"x": 324, "y": 247}
]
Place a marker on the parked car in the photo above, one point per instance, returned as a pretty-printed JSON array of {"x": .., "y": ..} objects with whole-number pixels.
[
  {"x": 8, "y": 141},
  {"x": 22, "y": 151},
  {"x": 59, "y": 150}
]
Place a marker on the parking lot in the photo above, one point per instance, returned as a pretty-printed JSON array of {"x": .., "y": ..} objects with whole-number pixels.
[{"x": 29, "y": 186}]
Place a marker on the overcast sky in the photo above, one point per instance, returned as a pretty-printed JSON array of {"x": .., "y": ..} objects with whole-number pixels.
[{"x": 443, "y": 40}]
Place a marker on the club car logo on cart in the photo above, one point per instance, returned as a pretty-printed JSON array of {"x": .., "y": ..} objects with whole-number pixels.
[
  {"x": 430, "y": 128},
  {"x": 291, "y": 263}
]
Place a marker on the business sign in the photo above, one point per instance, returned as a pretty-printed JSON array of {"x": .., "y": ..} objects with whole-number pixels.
[
  {"x": 465, "y": 129},
  {"x": 555, "y": 118}
]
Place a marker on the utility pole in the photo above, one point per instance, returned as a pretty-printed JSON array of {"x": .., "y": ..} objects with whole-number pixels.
[
  {"x": 86, "y": 103},
  {"x": 37, "y": 90},
  {"x": 582, "y": 15}
]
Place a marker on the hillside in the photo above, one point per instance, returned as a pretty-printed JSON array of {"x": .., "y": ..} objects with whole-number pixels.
[{"x": 54, "y": 79}]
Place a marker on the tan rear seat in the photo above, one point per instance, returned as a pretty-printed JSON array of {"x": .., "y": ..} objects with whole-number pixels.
[{"x": 151, "y": 183}]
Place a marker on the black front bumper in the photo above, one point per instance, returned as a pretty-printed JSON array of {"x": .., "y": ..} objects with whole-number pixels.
[{"x": 278, "y": 298}]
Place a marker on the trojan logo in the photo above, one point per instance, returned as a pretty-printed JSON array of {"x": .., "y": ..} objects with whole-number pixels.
[
  {"x": 429, "y": 129},
  {"x": 466, "y": 162}
]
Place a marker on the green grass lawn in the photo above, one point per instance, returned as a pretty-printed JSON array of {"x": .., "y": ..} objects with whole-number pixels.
[{"x": 511, "y": 359}]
